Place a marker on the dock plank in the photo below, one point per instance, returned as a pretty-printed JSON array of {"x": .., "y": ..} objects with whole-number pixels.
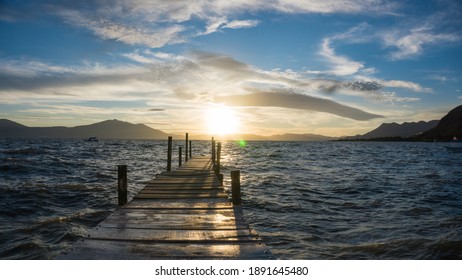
[{"x": 129, "y": 250}]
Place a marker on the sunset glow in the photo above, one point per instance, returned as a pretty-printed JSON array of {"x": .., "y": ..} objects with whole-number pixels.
[
  {"x": 333, "y": 67},
  {"x": 221, "y": 121}
]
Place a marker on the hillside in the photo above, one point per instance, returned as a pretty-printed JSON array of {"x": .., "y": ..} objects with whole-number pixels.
[
  {"x": 4, "y": 123},
  {"x": 110, "y": 129},
  {"x": 450, "y": 126},
  {"x": 404, "y": 130}
]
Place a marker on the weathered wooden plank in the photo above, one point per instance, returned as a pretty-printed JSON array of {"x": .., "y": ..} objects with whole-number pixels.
[
  {"x": 182, "y": 187},
  {"x": 162, "y": 235},
  {"x": 185, "y": 181},
  {"x": 175, "y": 225},
  {"x": 178, "y": 219},
  {"x": 187, "y": 172},
  {"x": 127, "y": 250},
  {"x": 182, "y": 190},
  {"x": 180, "y": 195},
  {"x": 184, "y": 204},
  {"x": 174, "y": 215}
]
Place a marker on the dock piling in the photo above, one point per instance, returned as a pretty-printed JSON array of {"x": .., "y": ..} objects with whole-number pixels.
[
  {"x": 186, "y": 149},
  {"x": 217, "y": 169},
  {"x": 179, "y": 155},
  {"x": 169, "y": 154},
  {"x": 213, "y": 152},
  {"x": 236, "y": 187},
  {"x": 122, "y": 184},
  {"x": 190, "y": 149}
]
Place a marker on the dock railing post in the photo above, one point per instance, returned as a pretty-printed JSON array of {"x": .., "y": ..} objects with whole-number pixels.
[
  {"x": 190, "y": 149},
  {"x": 169, "y": 154},
  {"x": 179, "y": 156},
  {"x": 213, "y": 153},
  {"x": 236, "y": 187},
  {"x": 122, "y": 184},
  {"x": 186, "y": 149},
  {"x": 217, "y": 168}
]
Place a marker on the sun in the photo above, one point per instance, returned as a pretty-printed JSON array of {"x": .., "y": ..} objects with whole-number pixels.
[{"x": 221, "y": 120}]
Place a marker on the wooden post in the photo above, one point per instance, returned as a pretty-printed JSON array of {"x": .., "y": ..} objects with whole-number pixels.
[
  {"x": 179, "y": 156},
  {"x": 217, "y": 168},
  {"x": 169, "y": 154},
  {"x": 213, "y": 153},
  {"x": 190, "y": 149},
  {"x": 236, "y": 187},
  {"x": 122, "y": 184},
  {"x": 220, "y": 178},
  {"x": 186, "y": 149}
]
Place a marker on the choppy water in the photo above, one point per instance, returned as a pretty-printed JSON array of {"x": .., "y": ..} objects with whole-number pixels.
[{"x": 322, "y": 200}]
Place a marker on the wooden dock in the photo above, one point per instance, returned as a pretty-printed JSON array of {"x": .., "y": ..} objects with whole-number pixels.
[{"x": 181, "y": 214}]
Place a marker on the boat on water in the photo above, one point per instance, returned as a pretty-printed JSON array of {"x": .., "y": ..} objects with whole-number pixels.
[{"x": 92, "y": 139}]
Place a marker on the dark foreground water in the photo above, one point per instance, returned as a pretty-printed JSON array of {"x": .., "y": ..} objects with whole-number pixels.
[{"x": 329, "y": 200}]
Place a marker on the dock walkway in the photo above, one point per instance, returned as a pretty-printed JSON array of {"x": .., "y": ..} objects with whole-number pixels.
[{"x": 182, "y": 214}]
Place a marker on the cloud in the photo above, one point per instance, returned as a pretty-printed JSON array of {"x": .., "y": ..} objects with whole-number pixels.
[
  {"x": 155, "y": 36},
  {"x": 405, "y": 84},
  {"x": 235, "y": 24},
  {"x": 35, "y": 76},
  {"x": 195, "y": 78},
  {"x": 285, "y": 99},
  {"x": 414, "y": 36},
  {"x": 342, "y": 65},
  {"x": 332, "y": 6},
  {"x": 157, "y": 23},
  {"x": 411, "y": 43}
]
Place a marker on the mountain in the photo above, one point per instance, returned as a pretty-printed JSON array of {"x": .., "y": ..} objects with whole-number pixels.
[
  {"x": 404, "y": 130},
  {"x": 110, "y": 129},
  {"x": 449, "y": 126},
  {"x": 4, "y": 123}
]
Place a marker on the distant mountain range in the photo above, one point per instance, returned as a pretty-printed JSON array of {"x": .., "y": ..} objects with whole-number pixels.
[
  {"x": 403, "y": 130},
  {"x": 110, "y": 129},
  {"x": 115, "y": 129},
  {"x": 446, "y": 129}
]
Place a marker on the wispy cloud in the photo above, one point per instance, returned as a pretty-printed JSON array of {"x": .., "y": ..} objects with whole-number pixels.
[
  {"x": 341, "y": 65},
  {"x": 287, "y": 99},
  {"x": 411, "y": 43},
  {"x": 414, "y": 36},
  {"x": 156, "y": 23},
  {"x": 405, "y": 84}
]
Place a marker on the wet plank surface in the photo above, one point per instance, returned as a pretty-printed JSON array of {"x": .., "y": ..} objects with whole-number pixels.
[{"x": 183, "y": 214}]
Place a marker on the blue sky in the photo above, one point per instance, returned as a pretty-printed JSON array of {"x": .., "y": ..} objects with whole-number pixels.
[{"x": 278, "y": 66}]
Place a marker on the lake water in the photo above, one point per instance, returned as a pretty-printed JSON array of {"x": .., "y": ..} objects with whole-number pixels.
[{"x": 308, "y": 200}]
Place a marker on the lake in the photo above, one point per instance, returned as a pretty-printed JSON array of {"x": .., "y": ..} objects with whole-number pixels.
[{"x": 308, "y": 200}]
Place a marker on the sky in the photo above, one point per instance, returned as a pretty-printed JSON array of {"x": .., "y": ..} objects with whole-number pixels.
[{"x": 265, "y": 67}]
